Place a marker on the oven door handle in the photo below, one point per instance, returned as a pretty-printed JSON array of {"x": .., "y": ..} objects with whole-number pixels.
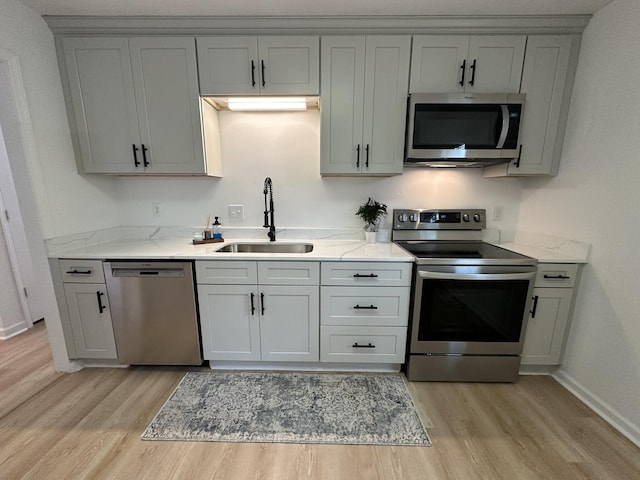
[{"x": 476, "y": 276}]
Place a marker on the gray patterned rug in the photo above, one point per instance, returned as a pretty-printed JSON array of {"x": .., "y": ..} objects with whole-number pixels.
[{"x": 365, "y": 409}]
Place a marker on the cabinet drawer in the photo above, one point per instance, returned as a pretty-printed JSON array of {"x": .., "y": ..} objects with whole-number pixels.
[
  {"x": 362, "y": 344},
  {"x": 366, "y": 274},
  {"x": 364, "y": 306},
  {"x": 226, "y": 272},
  {"x": 289, "y": 273},
  {"x": 82, "y": 271},
  {"x": 556, "y": 274}
]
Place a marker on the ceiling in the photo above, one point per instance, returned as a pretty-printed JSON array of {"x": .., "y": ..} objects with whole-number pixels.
[{"x": 314, "y": 7}]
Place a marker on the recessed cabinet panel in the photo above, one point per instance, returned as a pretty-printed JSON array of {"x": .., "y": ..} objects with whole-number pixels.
[
  {"x": 103, "y": 101},
  {"x": 291, "y": 65},
  {"x": 225, "y": 66},
  {"x": 365, "y": 306},
  {"x": 498, "y": 63},
  {"x": 448, "y": 53}
]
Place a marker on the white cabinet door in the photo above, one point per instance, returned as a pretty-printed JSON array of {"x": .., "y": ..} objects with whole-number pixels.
[
  {"x": 228, "y": 65},
  {"x": 439, "y": 63},
  {"x": 289, "y": 65},
  {"x": 90, "y": 319},
  {"x": 341, "y": 113},
  {"x": 546, "y": 330},
  {"x": 456, "y": 64},
  {"x": 495, "y": 63},
  {"x": 229, "y": 322},
  {"x": 103, "y": 103},
  {"x": 290, "y": 323},
  {"x": 166, "y": 91},
  {"x": 385, "y": 103},
  {"x": 267, "y": 65},
  {"x": 545, "y": 82},
  {"x": 364, "y": 84}
]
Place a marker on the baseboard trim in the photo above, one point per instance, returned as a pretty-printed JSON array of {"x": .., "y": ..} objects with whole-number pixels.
[
  {"x": 603, "y": 409},
  {"x": 12, "y": 331}
]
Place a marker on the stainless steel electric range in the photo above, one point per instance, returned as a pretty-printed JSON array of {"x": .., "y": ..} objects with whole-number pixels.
[{"x": 471, "y": 299}]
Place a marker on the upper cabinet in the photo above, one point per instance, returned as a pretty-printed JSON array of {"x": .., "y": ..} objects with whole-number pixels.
[
  {"x": 265, "y": 65},
  {"x": 458, "y": 63},
  {"x": 364, "y": 83},
  {"x": 135, "y": 105},
  {"x": 547, "y": 80}
]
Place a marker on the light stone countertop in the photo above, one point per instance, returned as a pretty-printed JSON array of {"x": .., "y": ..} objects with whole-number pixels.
[{"x": 183, "y": 249}]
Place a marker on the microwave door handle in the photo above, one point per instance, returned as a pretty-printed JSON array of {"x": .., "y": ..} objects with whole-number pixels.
[
  {"x": 505, "y": 126},
  {"x": 476, "y": 276}
]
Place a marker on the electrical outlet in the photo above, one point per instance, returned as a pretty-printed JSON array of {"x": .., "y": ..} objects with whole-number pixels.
[
  {"x": 236, "y": 212},
  {"x": 498, "y": 212},
  {"x": 156, "y": 210}
]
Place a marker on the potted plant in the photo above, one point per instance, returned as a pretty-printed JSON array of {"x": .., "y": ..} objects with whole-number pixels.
[{"x": 371, "y": 213}]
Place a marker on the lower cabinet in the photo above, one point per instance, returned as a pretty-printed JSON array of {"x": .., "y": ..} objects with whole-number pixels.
[
  {"x": 271, "y": 314},
  {"x": 84, "y": 308},
  {"x": 548, "y": 323},
  {"x": 364, "y": 312}
]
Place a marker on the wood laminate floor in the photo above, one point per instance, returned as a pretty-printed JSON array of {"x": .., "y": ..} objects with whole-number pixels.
[{"x": 87, "y": 425}]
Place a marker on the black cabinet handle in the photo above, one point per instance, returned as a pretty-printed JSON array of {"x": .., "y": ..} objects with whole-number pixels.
[
  {"x": 262, "y": 68},
  {"x": 473, "y": 73},
  {"x": 370, "y": 307},
  {"x": 135, "y": 156},
  {"x": 101, "y": 307},
  {"x": 358, "y": 156},
  {"x": 556, "y": 277},
  {"x": 369, "y": 345},
  {"x": 253, "y": 74},
  {"x": 262, "y": 303},
  {"x": 535, "y": 307},
  {"x": 517, "y": 162},
  {"x": 79, "y": 272},
  {"x": 366, "y": 162},
  {"x": 253, "y": 307},
  {"x": 144, "y": 155},
  {"x": 370, "y": 275},
  {"x": 463, "y": 67}
]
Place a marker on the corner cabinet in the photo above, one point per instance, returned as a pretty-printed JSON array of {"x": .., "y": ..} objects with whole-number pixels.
[
  {"x": 547, "y": 80},
  {"x": 549, "y": 321},
  {"x": 251, "y": 311},
  {"x": 264, "y": 65},
  {"x": 82, "y": 299},
  {"x": 364, "y": 83},
  {"x": 472, "y": 64},
  {"x": 134, "y": 105}
]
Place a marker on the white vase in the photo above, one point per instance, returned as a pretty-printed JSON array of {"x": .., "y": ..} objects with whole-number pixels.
[{"x": 370, "y": 237}]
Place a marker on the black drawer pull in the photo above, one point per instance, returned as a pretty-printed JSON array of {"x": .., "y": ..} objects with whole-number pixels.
[
  {"x": 79, "y": 272},
  {"x": 101, "y": 307},
  {"x": 369, "y": 345},
  {"x": 556, "y": 277},
  {"x": 253, "y": 307},
  {"x": 370, "y": 307},
  {"x": 535, "y": 307},
  {"x": 370, "y": 275}
]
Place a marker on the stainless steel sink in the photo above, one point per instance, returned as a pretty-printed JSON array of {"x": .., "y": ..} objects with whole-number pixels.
[{"x": 267, "y": 248}]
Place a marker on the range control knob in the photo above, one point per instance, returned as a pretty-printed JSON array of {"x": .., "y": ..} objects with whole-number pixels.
[
  {"x": 476, "y": 217},
  {"x": 402, "y": 217},
  {"x": 413, "y": 217},
  {"x": 465, "y": 217}
]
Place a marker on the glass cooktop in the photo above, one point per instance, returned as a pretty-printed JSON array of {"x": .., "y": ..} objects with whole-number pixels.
[{"x": 455, "y": 252}]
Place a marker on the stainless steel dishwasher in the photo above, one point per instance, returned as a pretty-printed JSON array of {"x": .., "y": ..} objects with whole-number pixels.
[{"x": 153, "y": 309}]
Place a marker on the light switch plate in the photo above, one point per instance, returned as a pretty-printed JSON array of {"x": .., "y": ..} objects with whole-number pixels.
[{"x": 236, "y": 212}]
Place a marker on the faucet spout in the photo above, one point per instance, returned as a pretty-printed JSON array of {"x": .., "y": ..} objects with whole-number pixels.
[{"x": 269, "y": 221}]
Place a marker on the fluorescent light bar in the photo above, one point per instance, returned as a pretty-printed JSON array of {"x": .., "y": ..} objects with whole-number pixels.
[{"x": 267, "y": 103}]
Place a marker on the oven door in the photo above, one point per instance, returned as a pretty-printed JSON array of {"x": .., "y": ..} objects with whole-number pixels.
[{"x": 471, "y": 309}]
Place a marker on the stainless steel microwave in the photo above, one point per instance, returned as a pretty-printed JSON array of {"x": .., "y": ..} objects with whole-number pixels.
[{"x": 466, "y": 130}]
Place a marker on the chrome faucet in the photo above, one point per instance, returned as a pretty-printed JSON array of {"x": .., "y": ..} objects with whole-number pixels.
[{"x": 269, "y": 223}]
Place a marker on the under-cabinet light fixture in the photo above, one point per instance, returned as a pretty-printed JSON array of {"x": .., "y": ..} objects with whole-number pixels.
[{"x": 267, "y": 104}]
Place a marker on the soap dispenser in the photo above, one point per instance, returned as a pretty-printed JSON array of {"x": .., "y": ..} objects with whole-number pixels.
[{"x": 217, "y": 229}]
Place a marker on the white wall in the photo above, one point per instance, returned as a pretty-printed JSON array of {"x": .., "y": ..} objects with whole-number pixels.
[
  {"x": 66, "y": 202},
  {"x": 595, "y": 199},
  {"x": 286, "y": 147},
  {"x": 11, "y": 316}
]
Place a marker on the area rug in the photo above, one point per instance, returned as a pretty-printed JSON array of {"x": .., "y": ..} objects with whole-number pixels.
[{"x": 364, "y": 409}]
